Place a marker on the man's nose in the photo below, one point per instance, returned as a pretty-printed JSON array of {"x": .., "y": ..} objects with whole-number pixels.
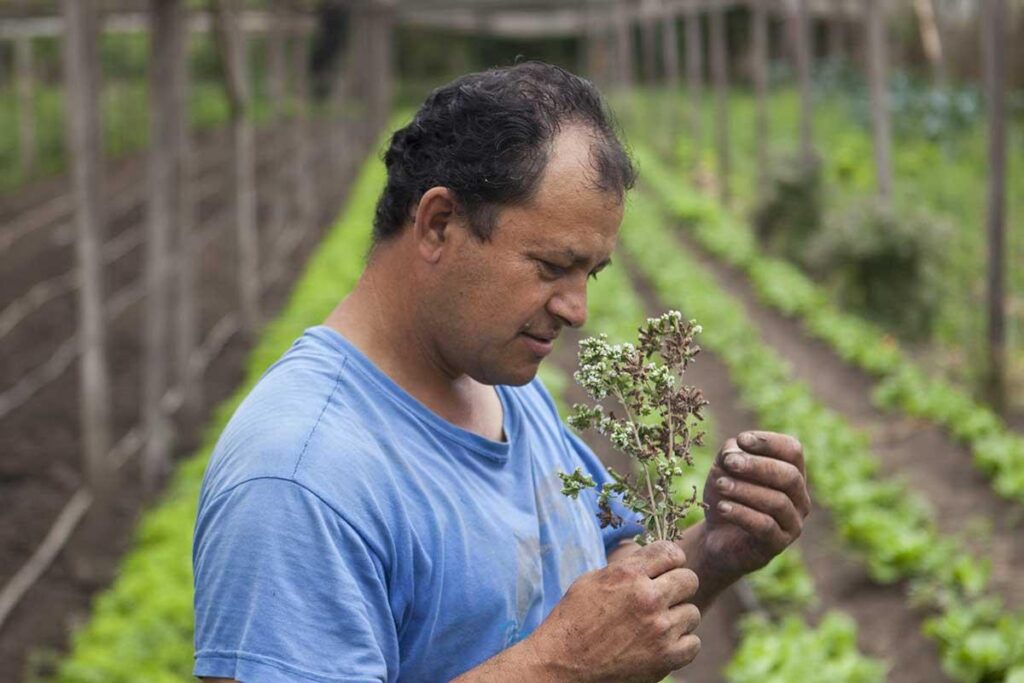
[{"x": 570, "y": 305}]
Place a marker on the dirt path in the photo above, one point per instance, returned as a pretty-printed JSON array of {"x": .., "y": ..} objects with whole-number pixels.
[
  {"x": 40, "y": 466},
  {"x": 887, "y": 629},
  {"x": 933, "y": 464}
]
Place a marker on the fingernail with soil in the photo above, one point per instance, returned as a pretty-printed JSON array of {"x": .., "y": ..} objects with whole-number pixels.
[
  {"x": 750, "y": 440},
  {"x": 735, "y": 462}
]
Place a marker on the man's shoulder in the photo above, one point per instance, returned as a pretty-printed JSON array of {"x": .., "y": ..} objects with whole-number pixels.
[{"x": 301, "y": 403}]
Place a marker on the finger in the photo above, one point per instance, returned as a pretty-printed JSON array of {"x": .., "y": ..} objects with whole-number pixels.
[
  {"x": 686, "y": 651},
  {"x": 759, "y": 525},
  {"x": 773, "y": 445},
  {"x": 657, "y": 558},
  {"x": 677, "y": 586},
  {"x": 770, "y": 473},
  {"x": 769, "y": 501},
  {"x": 685, "y": 619}
]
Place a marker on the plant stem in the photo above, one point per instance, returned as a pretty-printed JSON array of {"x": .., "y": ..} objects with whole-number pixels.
[{"x": 647, "y": 471}]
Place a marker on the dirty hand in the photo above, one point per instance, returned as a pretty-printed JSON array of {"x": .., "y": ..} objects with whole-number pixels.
[
  {"x": 630, "y": 621},
  {"x": 758, "y": 500}
]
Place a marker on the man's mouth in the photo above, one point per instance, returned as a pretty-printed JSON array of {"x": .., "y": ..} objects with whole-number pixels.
[{"x": 540, "y": 344}]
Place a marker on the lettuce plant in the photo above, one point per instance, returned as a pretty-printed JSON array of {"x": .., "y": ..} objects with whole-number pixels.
[{"x": 658, "y": 426}]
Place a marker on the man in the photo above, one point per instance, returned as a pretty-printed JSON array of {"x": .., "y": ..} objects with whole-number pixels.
[{"x": 385, "y": 504}]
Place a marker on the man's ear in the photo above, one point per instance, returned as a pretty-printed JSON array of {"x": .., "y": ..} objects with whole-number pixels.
[{"x": 433, "y": 222}]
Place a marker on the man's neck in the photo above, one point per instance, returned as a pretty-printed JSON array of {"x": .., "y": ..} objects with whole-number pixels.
[{"x": 383, "y": 327}]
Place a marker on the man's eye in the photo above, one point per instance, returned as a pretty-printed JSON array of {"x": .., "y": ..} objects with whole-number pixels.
[{"x": 551, "y": 270}]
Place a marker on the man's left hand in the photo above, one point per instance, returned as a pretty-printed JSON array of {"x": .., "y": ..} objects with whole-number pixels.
[{"x": 758, "y": 500}]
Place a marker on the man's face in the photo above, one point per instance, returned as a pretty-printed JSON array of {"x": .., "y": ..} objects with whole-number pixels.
[{"x": 501, "y": 303}]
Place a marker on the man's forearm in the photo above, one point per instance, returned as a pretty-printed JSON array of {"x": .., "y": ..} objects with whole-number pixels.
[
  {"x": 521, "y": 662},
  {"x": 712, "y": 580}
]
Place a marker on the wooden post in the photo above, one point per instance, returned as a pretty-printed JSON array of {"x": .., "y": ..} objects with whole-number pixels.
[
  {"x": 302, "y": 132},
  {"x": 670, "y": 59},
  {"x": 279, "y": 194},
  {"x": 167, "y": 32},
  {"x": 81, "y": 82},
  {"x": 876, "y": 47},
  {"x": 695, "y": 74},
  {"x": 802, "y": 45},
  {"x": 720, "y": 73},
  {"x": 995, "y": 22},
  {"x": 26, "y": 105},
  {"x": 670, "y": 50},
  {"x": 649, "y": 48},
  {"x": 232, "y": 42},
  {"x": 623, "y": 45},
  {"x": 382, "y": 20},
  {"x": 759, "y": 40},
  {"x": 186, "y": 328},
  {"x": 931, "y": 40},
  {"x": 276, "y": 65},
  {"x": 837, "y": 32}
]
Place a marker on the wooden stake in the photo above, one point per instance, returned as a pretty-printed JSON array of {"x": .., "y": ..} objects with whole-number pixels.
[
  {"x": 695, "y": 75},
  {"x": 995, "y": 21},
  {"x": 720, "y": 72},
  {"x": 167, "y": 37},
  {"x": 759, "y": 44},
  {"x": 802, "y": 40},
  {"x": 232, "y": 42},
  {"x": 876, "y": 47},
  {"x": 25, "y": 77},
  {"x": 81, "y": 81}
]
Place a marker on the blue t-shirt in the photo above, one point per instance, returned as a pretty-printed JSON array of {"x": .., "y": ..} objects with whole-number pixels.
[{"x": 347, "y": 533}]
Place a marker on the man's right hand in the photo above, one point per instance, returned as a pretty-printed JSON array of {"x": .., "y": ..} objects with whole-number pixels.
[{"x": 630, "y": 621}]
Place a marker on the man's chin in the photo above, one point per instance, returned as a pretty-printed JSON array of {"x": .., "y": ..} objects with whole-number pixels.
[{"x": 512, "y": 377}]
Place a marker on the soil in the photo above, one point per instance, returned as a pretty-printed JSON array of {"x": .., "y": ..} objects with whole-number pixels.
[{"x": 40, "y": 466}]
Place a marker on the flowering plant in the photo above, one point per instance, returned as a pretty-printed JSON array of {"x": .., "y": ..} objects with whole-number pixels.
[{"x": 659, "y": 426}]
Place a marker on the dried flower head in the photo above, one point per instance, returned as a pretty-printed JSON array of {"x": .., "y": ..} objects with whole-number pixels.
[{"x": 660, "y": 425}]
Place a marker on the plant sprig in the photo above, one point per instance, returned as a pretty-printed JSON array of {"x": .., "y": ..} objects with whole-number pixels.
[{"x": 659, "y": 427}]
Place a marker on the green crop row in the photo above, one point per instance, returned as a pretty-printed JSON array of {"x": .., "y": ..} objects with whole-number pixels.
[
  {"x": 955, "y": 197},
  {"x": 141, "y": 628},
  {"x": 892, "y": 528},
  {"x": 783, "y": 587},
  {"x": 996, "y": 450}
]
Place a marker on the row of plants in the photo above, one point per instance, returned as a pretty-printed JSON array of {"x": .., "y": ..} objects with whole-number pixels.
[
  {"x": 892, "y": 529},
  {"x": 141, "y": 628},
  {"x": 997, "y": 450},
  {"x": 779, "y": 644},
  {"x": 947, "y": 209}
]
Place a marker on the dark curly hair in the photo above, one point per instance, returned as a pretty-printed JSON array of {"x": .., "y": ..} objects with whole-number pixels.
[{"x": 487, "y": 136}]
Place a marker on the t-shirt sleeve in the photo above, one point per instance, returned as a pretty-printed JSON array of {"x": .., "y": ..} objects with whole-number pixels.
[
  {"x": 592, "y": 465},
  {"x": 287, "y": 590}
]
